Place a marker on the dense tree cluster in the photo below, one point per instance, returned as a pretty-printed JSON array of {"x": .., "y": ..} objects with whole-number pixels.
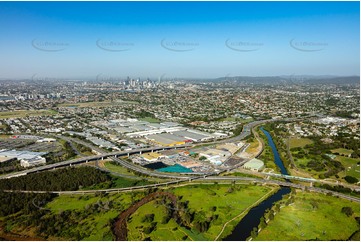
[
  {"x": 57, "y": 180},
  {"x": 82, "y": 148},
  {"x": 340, "y": 189},
  {"x": 316, "y": 151},
  {"x": 278, "y": 141},
  {"x": 351, "y": 179},
  {"x": 62, "y": 223},
  {"x": 65, "y": 154},
  {"x": 237, "y": 131},
  {"x": 27, "y": 203},
  {"x": 9, "y": 166}
]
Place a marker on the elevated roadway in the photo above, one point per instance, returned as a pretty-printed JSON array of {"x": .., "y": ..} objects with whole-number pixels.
[
  {"x": 201, "y": 180},
  {"x": 113, "y": 155}
]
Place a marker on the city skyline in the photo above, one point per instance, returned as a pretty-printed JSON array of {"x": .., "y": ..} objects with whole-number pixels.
[{"x": 178, "y": 39}]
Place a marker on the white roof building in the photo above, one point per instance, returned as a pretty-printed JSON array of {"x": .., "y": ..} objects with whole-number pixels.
[
  {"x": 254, "y": 165},
  {"x": 27, "y": 158}
]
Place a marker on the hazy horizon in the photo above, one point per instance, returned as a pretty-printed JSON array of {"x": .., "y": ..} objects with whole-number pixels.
[
  {"x": 104, "y": 77},
  {"x": 75, "y": 40}
]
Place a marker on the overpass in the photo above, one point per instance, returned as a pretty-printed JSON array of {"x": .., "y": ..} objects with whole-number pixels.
[
  {"x": 285, "y": 184},
  {"x": 112, "y": 155},
  {"x": 290, "y": 177},
  {"x": 200, "y": 180}
]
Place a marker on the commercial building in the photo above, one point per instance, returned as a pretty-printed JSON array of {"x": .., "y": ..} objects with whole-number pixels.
[
  {"x": 102, "y": 143},
  {"x": 196, "y": 137},
  {"x": 152, "y": 156},
  {"x": 35, "y": 161},
  {"x": 165, "y": 139},
  {"x": 26, "y": 158},
  {"x": 154, "y": 131},
  {"x": 215, "y": 156},
  {"x": 47, "y": 140}
]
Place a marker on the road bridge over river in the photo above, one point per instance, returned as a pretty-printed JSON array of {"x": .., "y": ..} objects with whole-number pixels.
[{"x": 206, "y": 179}]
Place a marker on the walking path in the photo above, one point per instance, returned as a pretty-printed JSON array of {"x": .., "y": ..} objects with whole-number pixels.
[{"x": 245, "y": 211}]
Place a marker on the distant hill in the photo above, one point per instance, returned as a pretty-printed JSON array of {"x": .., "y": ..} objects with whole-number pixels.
[
  {"x": 336, "y": 80},
  {"x": 295, "y": 79}
]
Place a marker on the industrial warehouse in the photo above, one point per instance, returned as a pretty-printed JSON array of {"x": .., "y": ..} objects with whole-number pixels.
[
  {"x": 161, "y": 134},
  {"x": 26, "y": 158}
]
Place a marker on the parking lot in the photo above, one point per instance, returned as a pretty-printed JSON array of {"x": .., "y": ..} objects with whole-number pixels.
[
  {"x": 43, "y": 147},
  {"x": 10, "y": 144},
  {"x": 29, "y": 145}
]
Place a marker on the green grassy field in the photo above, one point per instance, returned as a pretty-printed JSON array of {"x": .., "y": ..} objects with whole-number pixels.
[
  {"x": 150, "y": 120},
  {"x": 101, "y": 230},
  {"x": 117, "y": 168},
  {"x": 71, "y": 202},
  {"x": 24, "y": 113},
  {"x": 342, "y": 151},
  {"x": 304, "y": 161},
  {"x": 229, "y": 205},
  {"x": 304, "y": 221},
  {"x": 350, "y": 165},
  {"x": 169, "y": 231},
  {"x": 201, "y": 199},
  {"x": 299, "y": 142},
  {"x": 122, "y": 170},
  {"x": 96, "y": 225}
]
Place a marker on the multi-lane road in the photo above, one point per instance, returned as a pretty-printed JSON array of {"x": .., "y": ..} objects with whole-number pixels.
[
  {"x": 247, "y": 129},
  {"x": 245, "y": 132},
  {"x": 101, "y": 157},
  {"x": 202, "y": 180}
]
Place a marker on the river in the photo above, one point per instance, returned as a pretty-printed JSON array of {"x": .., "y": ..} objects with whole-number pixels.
[{"x": 244, "y": 228}]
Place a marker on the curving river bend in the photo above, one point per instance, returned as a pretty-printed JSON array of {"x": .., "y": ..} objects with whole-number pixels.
[{"x": 244, "y": 228}]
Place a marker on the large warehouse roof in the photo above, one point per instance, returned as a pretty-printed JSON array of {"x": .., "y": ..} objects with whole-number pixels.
[
  {"x": 21, "y": 154},
  {"x": 166, "y": 139},
  {"x": 190, "y": 135}
]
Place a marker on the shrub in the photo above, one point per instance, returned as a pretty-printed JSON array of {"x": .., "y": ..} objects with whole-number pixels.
[{"x": 351, "y": 179}]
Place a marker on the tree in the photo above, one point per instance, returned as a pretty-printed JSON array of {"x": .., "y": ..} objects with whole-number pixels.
[
  {"x": 254, "y": 232},
  {"x": 351, "y": 179},
  {"x": 277, "y": 207},
  {"x": 262, "y": 223},
  {"x": 148, "y": 218},
  {"x": 347, "y": 210},
  {"x": 271, "y": 215}
]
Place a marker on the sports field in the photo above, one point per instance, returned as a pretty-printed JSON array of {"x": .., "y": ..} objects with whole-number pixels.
[{"x": 299, "y": 142}]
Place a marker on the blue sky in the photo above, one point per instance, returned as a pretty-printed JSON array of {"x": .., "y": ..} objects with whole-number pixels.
[{"x": 178, "y": 39}]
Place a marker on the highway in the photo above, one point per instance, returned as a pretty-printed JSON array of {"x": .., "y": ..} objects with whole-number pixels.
[
  {"x": 101, "y": 157},
  {"x": 247, "y": 129},
  {"x": 113, "y": 155},
  {"x": 202, "y": 180},
  {"x": 287, "y": 184},
  {"x": 312, "y": 180}
]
